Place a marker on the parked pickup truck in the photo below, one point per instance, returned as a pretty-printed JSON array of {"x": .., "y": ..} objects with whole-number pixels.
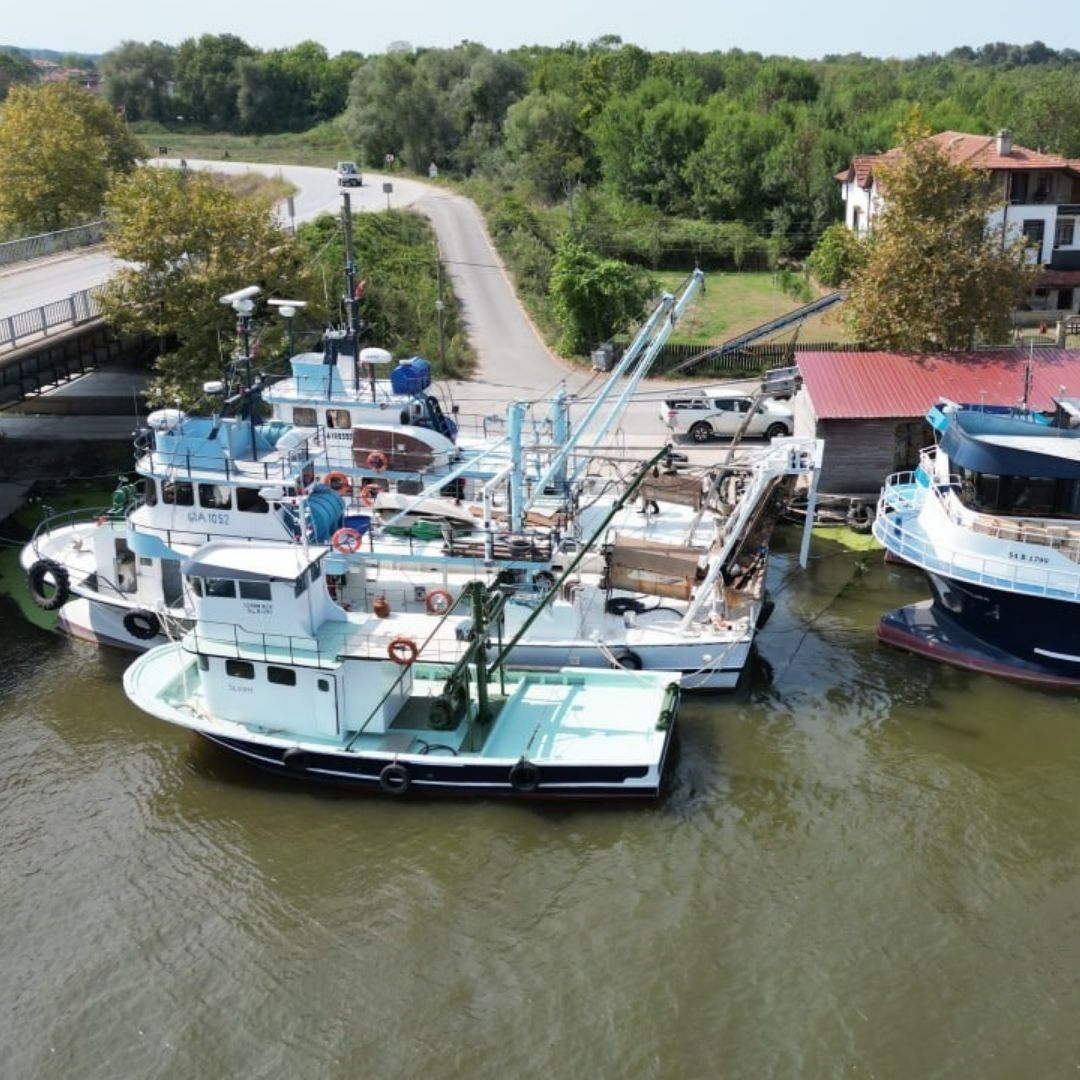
[
  {"x": 703, "y": 415},
  {"x": 349, "y": 174}
]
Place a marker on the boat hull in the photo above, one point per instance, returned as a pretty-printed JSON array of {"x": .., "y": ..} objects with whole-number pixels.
[
  {"x": 447, "y": 776},
  {"x": 967, "y": 636}
]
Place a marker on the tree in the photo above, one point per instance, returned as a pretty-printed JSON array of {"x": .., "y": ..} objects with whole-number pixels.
[
  {"x": 594, "y": 298},
  {"x": 936, "y": 275},
  {"x": 837, "y": 257},
  {"x": 60, "y": 149},
  {"x": 543, "y": 143},
  {"x": 190, "y": 241},
  {"x": 207, "y": 80},
  {"x": 15, "y": 68},
  {"x": 137, "y": 77}
]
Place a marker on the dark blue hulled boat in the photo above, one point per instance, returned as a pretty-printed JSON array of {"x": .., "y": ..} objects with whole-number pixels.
[{"x": 992, "y": 514}]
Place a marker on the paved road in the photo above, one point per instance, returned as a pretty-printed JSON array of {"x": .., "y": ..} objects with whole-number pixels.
[{"x": 513, "y": 362}]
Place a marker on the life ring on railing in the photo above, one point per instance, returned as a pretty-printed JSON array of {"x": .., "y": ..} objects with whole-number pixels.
[
  {"x": 376, "y": 461},
  {"x": 860, "y": 517},
  {"x": 395, "y": 778},
  {"x": 338, "y": 482},
  {"x": 43, "y": 573},
  {"x": 524, "y": 776},
  {"x": 403, "y": 651},
  {"x": 347, "y": 541},
  {"x": 369, "y": 493},
  {"x": 438, "y": 602},
  {"x": 142, "y": 625}
]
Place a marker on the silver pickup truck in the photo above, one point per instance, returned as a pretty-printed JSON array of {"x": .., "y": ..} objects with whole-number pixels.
[{"x": 349, "y": 174}]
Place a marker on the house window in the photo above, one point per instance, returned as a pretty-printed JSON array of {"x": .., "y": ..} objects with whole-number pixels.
[
  {"x": 240, "y": 669},
  {"x": 251, "y": 502},
  {"x": 856, "y": 219},
  {"x": 1065, "y": 299},
  {"x": 177, "y": 493},
  {"x": 1064, "y": 231},
  {"x": 254, "y": 590},
  {"x": 1018, "y": 187},
  {"x": 1034, "y": 231},
  {"x": 304, "y": 417},
  {"x": 281, "y": 676},
  {"x": 338, "y": 418},
  {"x": 1042, "y": 187},
  {"x": 215, "y": 496}
]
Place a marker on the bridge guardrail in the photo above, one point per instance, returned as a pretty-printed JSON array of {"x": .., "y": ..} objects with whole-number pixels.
[
  {"x": 77, "y": 308},
  {"x": 33, "y": 247}
]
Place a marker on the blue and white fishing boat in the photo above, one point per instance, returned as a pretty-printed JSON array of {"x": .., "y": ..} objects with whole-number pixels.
[
  {"x": 275, "y": 672},
  {"x": 992, "y": 515}
]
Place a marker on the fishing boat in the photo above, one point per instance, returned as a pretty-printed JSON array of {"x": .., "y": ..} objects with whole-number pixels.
[
  {"x": 275, "y": 672},
  {"x": 992, "y": 516}
]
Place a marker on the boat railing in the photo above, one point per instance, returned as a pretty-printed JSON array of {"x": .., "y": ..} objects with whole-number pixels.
[
  {"x": 277, "y": 465},
  {"x": 52, "y": 522},
  {"x": 1063, "y": 538},
  {"x": 1019, "y": 572},
  {"x": 323, "y": 650}
]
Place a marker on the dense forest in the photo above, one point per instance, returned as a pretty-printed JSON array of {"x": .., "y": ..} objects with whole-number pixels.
[{"x": 658, "y": 156}]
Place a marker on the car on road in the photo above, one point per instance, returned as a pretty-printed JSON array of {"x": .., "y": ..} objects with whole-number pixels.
[
  {"x": 704, "y": 416},
  {"x": 349, "y": 174}
]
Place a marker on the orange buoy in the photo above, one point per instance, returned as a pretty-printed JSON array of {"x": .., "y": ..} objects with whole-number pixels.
[
  {"x": 338, "y": 482},
  {"x": 402, "y": 650},
  {"x": 438, "y": 602},
  {"x": 369, "y": 493},
  {"x": 376, "y": 461},
  {"x": 347, "y": 541}
]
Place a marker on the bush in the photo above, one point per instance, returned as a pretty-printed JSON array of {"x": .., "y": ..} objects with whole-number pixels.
[{"x": 837, "y": 256}]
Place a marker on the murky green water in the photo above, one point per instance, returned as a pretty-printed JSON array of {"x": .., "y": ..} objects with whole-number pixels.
[{"x": 865, "y": 866}]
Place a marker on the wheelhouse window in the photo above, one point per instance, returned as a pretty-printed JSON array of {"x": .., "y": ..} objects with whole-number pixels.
[
  {"x": 254, "y": 590},
  {"x": 301, "y": 585},
  {"x": 249, "y": 501},
  {"x": 281, "y": 676},
  {"x": 304, "y": 417},
  {"x": 215, "y": 496},
  {"x": 204, "y": 662},
  {"x": 220, "y": 588},
  {"x": 196, "y": 585},
  {"x": 338, "y": 418},
  {"x": 150, "y": 491},
  {"x": 177, "y": 493},
  {"x": 240, "y": 669}
]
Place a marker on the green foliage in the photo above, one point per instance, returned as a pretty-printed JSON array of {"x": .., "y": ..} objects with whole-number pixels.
[
  {"x": 14, "y": 68},
  {"x": 594, "y": 298},
  {"x": 207, "y": 79},
  {"x": 190, "y": 240},
  {"x": 543, "y": 144},
  {"x": 60, "y": 149},
  {"x": 397, "y": 259},
  {"x": 935, "y": 277},
  {"x": 837, "y": 257},
  {"x": 136, "y": 77}
]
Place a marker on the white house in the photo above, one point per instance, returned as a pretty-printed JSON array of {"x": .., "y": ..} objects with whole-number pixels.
[{"x": 1039, "y": 198}]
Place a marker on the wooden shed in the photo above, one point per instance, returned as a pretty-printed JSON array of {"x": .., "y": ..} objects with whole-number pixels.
[{"x": 870, "y": 407}]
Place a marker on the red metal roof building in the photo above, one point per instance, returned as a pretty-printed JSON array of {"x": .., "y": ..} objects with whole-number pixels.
[{"x": 870, "y": 407}]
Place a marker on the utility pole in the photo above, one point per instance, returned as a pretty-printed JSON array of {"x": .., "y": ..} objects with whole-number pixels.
[{"x": 439, "y": 305}]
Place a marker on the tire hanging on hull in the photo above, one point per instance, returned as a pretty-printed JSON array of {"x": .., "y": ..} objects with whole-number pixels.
[{"x": 38, "y": 578}]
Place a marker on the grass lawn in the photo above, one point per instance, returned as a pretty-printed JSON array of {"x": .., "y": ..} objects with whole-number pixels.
[
  {"x": 732, "y": 304},
  {"x": 323, "y": 146}
]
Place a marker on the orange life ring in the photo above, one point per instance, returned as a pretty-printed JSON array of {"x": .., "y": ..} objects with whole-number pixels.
[
  {"x": 402, "y": 650},
  {"x": 103, "y": 520},
  {"x": 338, "y": 482},
  {"x": 376, "y": 461},
  {"x": 369, "y": 493},
  {"x": 347, "y": 541},
  {"x": 438, "y": 602}
]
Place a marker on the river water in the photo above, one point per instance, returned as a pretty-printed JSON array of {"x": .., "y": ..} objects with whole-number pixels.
[{"x": 866, "y": 865}]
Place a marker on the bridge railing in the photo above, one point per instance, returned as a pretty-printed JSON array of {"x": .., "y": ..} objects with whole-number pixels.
[
  {"x": 77, "y": 308},
  {"x": 33, "y": 247}
]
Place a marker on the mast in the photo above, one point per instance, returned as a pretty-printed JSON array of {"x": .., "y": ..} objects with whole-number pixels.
[{"x": 352, "y": 301}]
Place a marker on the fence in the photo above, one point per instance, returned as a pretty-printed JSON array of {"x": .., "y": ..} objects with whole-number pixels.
[
  {"x": 78, "y": 308},
  {"x": 33, "y": 247},
  {"x": 749, "y": 359}
]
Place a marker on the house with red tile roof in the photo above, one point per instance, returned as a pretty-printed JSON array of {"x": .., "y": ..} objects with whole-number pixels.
[
  {"x": 1038, "y": 198},
  {"x": 870, "y": 407}
]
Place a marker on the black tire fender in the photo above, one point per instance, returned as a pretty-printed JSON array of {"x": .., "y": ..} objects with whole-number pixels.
[
  {"x": 395, "y": 778},
  {"x": 37, "y": 578},
  {"x": 142, "y": 625},
  {"x": 524, "y": 776}
]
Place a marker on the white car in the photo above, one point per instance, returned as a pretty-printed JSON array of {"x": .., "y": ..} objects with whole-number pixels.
[
  {"x": 703, "y": 416},
  {"x": 349, "y": 174}
]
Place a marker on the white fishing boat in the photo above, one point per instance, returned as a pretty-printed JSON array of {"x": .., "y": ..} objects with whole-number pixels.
[{"x": 275, "y": 672}]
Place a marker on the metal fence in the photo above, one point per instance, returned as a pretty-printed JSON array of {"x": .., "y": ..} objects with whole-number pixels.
[
  {"x": 750, "y": 358},
  {"x": 78, "y": 308},
  {"x": 33, "y": 247}
]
